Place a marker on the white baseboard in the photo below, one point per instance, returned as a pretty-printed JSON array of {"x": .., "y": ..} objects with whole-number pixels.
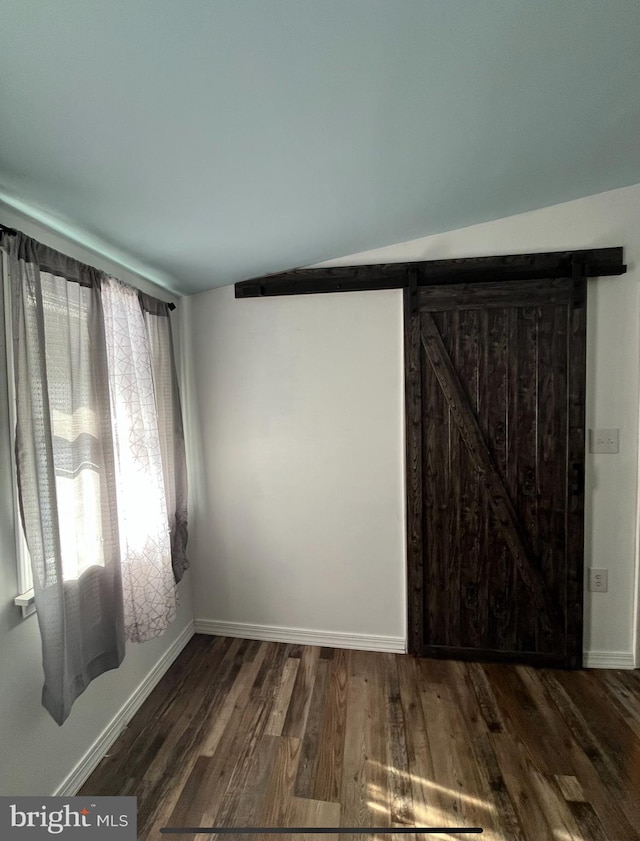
[
  {"x": 609, "y": 660},
  {"x": 273, "y": 633},
  {"x": 72, "y": 783},
  {"x": 366, "y": 642}
]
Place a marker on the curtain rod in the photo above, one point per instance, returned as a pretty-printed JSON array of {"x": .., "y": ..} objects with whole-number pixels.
[{"x": 12, "y": 233}]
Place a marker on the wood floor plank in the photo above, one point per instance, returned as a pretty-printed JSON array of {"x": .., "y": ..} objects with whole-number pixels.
[
  {"x": 296, "y": 718},
  {"x": 155, "y": 718},
  {"x": 515, "y": 767},
  {"x": 480, "y": 721},
  {"x": 283, "y": 698},
  {"x": 237, "y": 693},
  {"x": 328, "y": 776},
  {"x": 398, "y": 779},
  {"x": 209, "y": 780},
  {"x": 269, "y": 675},
  {"x": 597, "y": 777},
  {"x": 618, "y": 744},
  {"x": 376, "y": 769},
  {"x": 582, "y": 811},
  {"x": 588, "y": 822},
  {"x": 487, "y": 704},
  {"x": 278, "y": 800},
  {"x": 571, "y": 789},
  {"x": 249, "y": 733},
  {"x": 314, "y": 813},
  {"x": 305, "y": 780},
  {"x": 184, "y": 723},
  {"x": 204, "y": 791},
  {"x": 621, "y": 691},
  {"x": 354, "y": 794},
  {"x": 248, "y": 788},
  {"x": 522, "y": 717},
  {"x": 556, "y": 810},
  {"x": 548, "y": 718},
  {"x": 462, "y": 792},
  {"x": 426, "y": 811}
]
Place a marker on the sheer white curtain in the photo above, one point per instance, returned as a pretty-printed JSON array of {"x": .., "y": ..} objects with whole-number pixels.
[{"x": 145, "y": 545}]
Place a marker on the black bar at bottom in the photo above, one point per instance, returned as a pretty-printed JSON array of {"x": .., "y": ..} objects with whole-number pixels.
[{"x": 319, "y": 830}]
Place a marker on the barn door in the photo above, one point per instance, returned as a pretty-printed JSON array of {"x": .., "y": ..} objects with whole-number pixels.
[{"x": 495, "y": 439}]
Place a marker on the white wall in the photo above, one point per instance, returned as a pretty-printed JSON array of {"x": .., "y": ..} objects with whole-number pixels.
[
  {"x": 297, "y": 438},
  {"x": 37, "y": 756},
  {"x": 296, "y": 463}
]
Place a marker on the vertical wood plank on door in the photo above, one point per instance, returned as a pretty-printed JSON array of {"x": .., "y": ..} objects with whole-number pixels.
[
  {"x": 467, "y": 362},
  {"x": 551, "y": 445},
  {"x": 414, "y": 489},
  {"x": 518, "y": 598},
  {"x": 437, "y": 505},
  {"x": 526, "y": 469},
  {"x": 498, "y": 565},
  {"x": 454, "y": 479}
]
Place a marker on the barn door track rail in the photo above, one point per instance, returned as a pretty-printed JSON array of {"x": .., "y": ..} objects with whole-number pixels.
[{"x": 594, "y": 262}]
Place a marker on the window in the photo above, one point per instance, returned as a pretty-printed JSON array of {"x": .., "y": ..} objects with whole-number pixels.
[{"x": 104, "y": 512}]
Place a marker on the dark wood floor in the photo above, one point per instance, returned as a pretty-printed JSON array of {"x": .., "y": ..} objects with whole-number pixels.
[{"x": 267, "y": 734}]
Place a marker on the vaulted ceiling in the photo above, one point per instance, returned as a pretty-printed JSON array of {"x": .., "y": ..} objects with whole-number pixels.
[{"x": 215, "y": 140}]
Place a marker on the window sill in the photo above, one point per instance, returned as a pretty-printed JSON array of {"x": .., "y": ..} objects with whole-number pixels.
[{"x": 26, "y": 602}]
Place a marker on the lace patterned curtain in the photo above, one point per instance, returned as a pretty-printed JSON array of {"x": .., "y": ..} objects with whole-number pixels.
[{"x": 149, "y": 592}]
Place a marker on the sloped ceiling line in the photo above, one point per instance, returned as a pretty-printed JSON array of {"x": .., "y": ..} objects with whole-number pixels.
[{"x": 207, "y": 143}]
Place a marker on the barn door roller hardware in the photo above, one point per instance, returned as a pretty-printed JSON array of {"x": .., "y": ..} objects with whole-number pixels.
[{"x": 596, "y": 262}]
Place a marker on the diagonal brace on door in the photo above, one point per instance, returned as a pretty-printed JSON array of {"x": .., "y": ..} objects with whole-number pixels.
[{"x": 465, "y": 418}]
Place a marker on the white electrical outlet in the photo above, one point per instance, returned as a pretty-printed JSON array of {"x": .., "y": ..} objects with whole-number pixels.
[
  {"x": 604, "y": 440},
  {"x": 598, "y": 580}
]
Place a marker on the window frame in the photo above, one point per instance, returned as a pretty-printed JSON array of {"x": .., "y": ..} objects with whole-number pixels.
[{"x": 25, "y": 599}]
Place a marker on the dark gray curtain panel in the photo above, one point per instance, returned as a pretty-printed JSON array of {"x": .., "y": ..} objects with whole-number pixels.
[
  {"x": 74, "y": 443},
  {"x": 65, "y": 464}
]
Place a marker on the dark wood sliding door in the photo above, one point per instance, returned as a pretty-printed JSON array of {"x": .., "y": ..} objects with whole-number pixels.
[{"x": 495, "y": 439}]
